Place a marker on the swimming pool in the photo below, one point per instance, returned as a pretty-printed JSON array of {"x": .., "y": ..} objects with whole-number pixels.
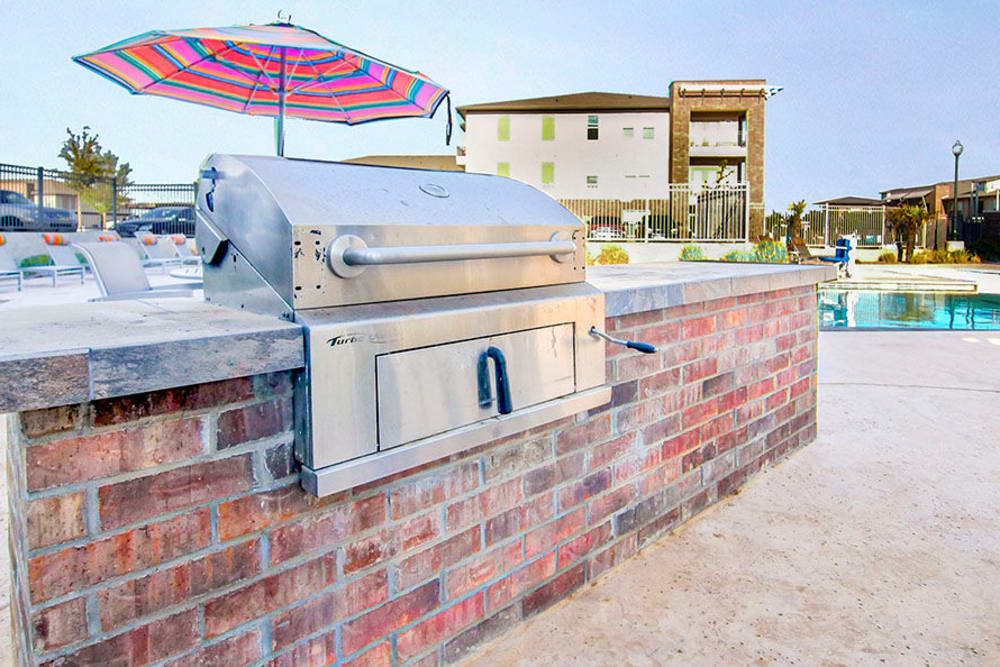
[{"x": 907, "y": 310}]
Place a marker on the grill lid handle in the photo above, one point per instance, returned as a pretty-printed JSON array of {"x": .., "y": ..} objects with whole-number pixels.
[{"x": 348, "y": 255}]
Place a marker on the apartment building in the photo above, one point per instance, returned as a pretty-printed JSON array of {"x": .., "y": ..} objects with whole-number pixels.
[
  {"x": 613, "y": 146},
  {"x": 977, "y": 197}
]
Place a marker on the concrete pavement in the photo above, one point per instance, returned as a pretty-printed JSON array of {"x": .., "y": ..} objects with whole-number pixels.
[{"x": 878, "y": 543}]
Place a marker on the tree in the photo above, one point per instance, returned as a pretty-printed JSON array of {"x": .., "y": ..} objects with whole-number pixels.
[
  {"x": 795, "y": 221},
  {"x": 91, "y": 170},
  {"x": 906, "y": 222},
  {"x": 724, "y": 172}
]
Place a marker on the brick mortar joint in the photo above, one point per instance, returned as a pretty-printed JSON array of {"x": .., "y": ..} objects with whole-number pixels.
[
  {"x": 205, "y": 457},
  {"x": 87, "y": 428}
]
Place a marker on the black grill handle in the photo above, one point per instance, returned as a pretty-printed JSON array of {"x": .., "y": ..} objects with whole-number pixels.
[
  {"x": 503, "y": 385},
  {"x": 630, "y": 344}
]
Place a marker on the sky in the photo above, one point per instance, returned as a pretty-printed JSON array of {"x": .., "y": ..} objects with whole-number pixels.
[{"x": 875, "y": 94}]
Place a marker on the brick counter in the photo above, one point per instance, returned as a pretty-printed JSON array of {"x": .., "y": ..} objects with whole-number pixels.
[{"x": 168, "y": 526}]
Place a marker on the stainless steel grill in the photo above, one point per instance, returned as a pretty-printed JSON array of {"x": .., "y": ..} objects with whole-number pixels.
[{"x": 441, "y": 310}]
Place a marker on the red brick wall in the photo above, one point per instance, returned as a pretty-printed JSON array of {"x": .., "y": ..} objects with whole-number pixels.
[{"x": 170, "y": 526}]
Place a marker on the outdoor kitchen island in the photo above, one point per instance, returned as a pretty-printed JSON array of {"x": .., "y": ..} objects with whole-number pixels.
[{"x": 157, "y": 514}]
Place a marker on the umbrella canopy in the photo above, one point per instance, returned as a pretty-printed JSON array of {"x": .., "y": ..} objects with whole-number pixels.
[{"x": 275, "y": 70}]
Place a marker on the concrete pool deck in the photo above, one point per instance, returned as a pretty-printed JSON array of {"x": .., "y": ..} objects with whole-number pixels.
[
  {"x": 877, "y": 543},
  {"x": 983, "y": 278}
]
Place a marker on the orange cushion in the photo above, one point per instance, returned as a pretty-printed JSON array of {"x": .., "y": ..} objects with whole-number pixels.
[
  {"x": 2, "y": 239},
  {"x": 55, "y": 239},
  {"x": 149, "y": 240},
  {"x": 107, "y": 238},
  {"x": 178, "y": 239}
]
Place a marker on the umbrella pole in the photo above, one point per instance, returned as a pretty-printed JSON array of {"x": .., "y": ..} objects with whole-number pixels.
[{"x": 280, "y": 138}]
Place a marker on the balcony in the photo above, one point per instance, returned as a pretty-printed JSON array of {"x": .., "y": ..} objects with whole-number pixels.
[{"x": 718, "y": 148}]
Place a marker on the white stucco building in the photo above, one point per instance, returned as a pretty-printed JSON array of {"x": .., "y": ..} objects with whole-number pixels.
[{"x": 586, "y": 145}]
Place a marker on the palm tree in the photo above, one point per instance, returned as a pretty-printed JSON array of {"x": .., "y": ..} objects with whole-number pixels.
[
  {"x": 907, "y": 222},
  {"x": 795, "y": 223}
]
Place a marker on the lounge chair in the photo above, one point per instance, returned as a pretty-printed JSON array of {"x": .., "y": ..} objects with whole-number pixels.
[
  {"x": 62, "y": 255},
  {"x": 184, "y": 251},
  {"x": 800, "y": 252},
  {"x": 9, "y": 269},
  {"x": 63, "y": 264},
  {"x": 120, "y": 275},
  {"x": 156, "y": 254}
]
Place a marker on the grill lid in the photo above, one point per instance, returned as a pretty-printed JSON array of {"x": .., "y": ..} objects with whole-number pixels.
[{"x": 323, "y": 234}]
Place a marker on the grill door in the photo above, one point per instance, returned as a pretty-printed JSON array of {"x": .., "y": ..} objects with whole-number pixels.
[{"x": 434, "y": 389}]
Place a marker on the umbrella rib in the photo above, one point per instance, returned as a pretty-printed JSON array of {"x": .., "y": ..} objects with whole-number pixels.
[
  {"x": 263, "y": 71},
  {"x": 321, "y": 78},
  {"x": 253, "y": 91},
  {"x": 333, "y": 96},
  {"x": 211, "y": 56}
]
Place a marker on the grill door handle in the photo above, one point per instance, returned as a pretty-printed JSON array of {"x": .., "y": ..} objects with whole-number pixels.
[
  {"x": 348, "y": 255},
  {"x": 503, "y": 383}
]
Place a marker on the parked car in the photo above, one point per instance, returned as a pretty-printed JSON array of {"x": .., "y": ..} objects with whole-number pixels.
[
  {"x": 18, "y": 213},
  {"x": 160, "y": 220}
]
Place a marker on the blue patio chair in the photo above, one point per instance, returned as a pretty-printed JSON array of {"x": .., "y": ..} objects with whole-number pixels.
[{"x": 841, "y": 257}]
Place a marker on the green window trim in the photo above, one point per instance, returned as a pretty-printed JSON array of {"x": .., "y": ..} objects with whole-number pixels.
[
  {"x": 503, "y": 169},
  {"x": 548, "y": 128},
  {"x": 503, "y": 128},
  {"x": 548, "y": 173}
]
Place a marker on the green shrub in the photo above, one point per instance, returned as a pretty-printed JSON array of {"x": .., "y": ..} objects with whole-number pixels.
[
  {"x": 740, "y": 256},
  {"x": 692, "y": 253},
  {"x": 612, "y": 254},
  {"x": 766, "y": 250},
  {"x": 887, "y": 257},
  {"x": 35, "y": 260},
  {"x": 942, "y": 256},
  {"x": 770, "y": 251}
]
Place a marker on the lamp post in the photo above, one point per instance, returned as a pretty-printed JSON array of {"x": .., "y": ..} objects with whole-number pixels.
[{"x": 956, "y": 150}]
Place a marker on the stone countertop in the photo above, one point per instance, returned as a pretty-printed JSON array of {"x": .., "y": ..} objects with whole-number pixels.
[
  {"x": 634, "y": 288},
  {"x": 56, "y": 355}
]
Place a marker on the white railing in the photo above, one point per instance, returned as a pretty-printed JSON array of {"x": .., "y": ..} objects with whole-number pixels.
[{"x": 685, "y": 213}]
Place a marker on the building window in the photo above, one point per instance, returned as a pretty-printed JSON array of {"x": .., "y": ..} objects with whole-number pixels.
[
  {"x": 548, "y": 173},
  {"x": 628, "y": 132},
  {"x": 503, "y": 168},
  {"x": 647, "y": 133},
  {"x": 548, "y": 128},
  {"x": 503, "y": 128},
  {"x": 591, "y": 128},
  {"x": 592, "y": 181}
]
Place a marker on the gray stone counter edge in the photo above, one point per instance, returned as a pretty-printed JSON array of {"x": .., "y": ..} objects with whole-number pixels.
[
  {"x": 625, "y": 295},
  {"x": 32, "y": 381}
]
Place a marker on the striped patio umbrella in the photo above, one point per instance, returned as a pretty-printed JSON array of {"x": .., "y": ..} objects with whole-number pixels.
[{"x": 274, "y": 70}]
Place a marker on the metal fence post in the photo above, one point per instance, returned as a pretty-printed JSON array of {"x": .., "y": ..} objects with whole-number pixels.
[
  {"x": 40, "y": 175},
  {"x": 826, "y": 224},
  {"x": 114, "y": 201},
  {"x": 746, "y": 212}
]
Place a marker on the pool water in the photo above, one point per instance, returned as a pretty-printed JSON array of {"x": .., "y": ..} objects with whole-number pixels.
[{"x": 907, "y": 310}]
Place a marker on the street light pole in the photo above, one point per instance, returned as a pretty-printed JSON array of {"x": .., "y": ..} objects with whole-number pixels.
[{"x": 956, "y": 150}]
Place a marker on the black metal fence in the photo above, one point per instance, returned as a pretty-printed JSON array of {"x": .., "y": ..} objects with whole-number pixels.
[{"x": 40, "y": 199}]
